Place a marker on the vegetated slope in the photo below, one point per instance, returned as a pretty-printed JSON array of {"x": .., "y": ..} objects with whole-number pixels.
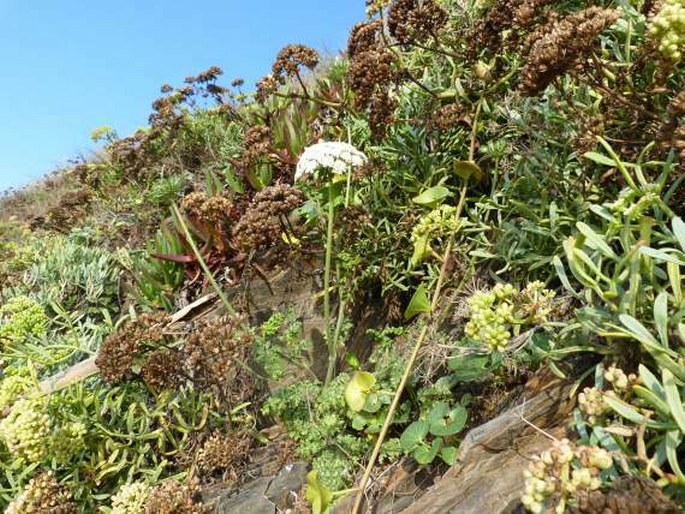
[{"x": 472, "y": 198}]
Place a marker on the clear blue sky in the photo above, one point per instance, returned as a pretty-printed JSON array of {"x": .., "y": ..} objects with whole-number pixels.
[{"x": 68, "y": 66}]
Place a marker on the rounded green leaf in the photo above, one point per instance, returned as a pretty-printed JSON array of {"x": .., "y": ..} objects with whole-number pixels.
[
  {"x": 358, "y": 389},
  {"x": 432, "y": 196},
  {"x": 413, "y": 435}
]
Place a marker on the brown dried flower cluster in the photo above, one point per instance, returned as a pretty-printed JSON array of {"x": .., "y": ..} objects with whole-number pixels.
[
  {"x": 266, "y": 218},
  {"x": 211, "y": 74},
  {"x": 266, "y": 86},
  {"x": 163, "y": 370},
  {"x": 43, "y": 495},
  {"x": 120, "y": 349},
  {"x": 370, "y": 71},
  {"x": 448, "y": 116},
  {"x": 290, "y": 59},
  {"x": 364, "y": 36},
  {"x": 564, "y": 45},
  {"x": 415, "y": 21},
  {"x": 173, "y": 498},
  {"x": 505, "y": 19},
  {"x": 590, "y": 127},
  {"x": 213, "y": 209},
  {"x": 223, "y": 452},
  {"x": 215, "y": 357},
  {"x": 257, "y": 143},
  {"x": 672, "y": 131}
]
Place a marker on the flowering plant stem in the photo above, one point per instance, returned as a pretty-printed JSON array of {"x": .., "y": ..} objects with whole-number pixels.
[
  {"x": 422, "y": 335},
  {"x": 330, "y": 335}
]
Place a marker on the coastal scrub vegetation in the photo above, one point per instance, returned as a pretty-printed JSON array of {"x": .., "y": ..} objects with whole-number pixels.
[{"x": 501, "y": 182}]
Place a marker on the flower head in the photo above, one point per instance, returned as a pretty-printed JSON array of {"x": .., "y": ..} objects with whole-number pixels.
[{"x": 334, "y": 156}]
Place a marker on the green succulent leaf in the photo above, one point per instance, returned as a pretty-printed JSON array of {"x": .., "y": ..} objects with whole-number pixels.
[
  {"x": 594, "y": 240},
  {"x": 358, "y": 389}
]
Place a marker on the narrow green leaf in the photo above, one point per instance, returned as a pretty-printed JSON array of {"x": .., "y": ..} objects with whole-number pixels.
[
  {"x": 652, "y": 399},
  {"x": 676, "y": 280},
  {"x": 418, "y": 304},
  {"x": 624, "y": 409},
  {"x": 661, "y": 316},
  {"x": 675, "y": 402},
  {"x": 675, "y": 257},
  {"x": 561, "y": 273},
  {"x": 679, "y": 231},
  {"x": 672, "y": 442},
  {"x": 638, "y": 330},
  {"x": 600, "y": 159},
  {"x": 595, "y": 241}
]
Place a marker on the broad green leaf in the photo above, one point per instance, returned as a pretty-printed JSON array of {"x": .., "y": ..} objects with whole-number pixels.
[
  {"x": 675, "y": 402},
  {"x": 425, "y": 454},
  {"x": 418, "y": 304},
  {"x": 233, "y": 182},
  {"x": 600, "y": 159},
  {"x": 413, "y": 435},
  {"x": 661, "y": 316},
  {"x": 373, "y": 403},
  {"x": 438, "y": 412},
  {"x": 421, "y": 251},
  {"x": 449, "y": 455},
  {"x": 468, "y": 169},
  {"x": 679, "y": 231},
  {"x": 320, "y": 497},
  {"x": 432, "y": 196},
  {"x": 358, "y": 389},
  {"x": 451, "y": 424},
  {"x": 594, "y": 240},
  {"x": 468, "y": 367}
]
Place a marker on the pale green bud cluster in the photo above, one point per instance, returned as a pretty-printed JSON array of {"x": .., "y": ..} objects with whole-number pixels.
[
  {"x": 20, "y": 318},
  {"x": 591, "y": 401},
  {"x": 668, "y": 27},
  {"x": 496, "y": 314},
  {"x": 131, "y": 498},
  {"x": 26, "y": 430},
  {"x": 437, "y": 223},
  {"x": 67, "y": 441},
  {"x": 11, "y": 388},
  {"x": 17, "y": 257},
  {"x": 558, "y": 474}
]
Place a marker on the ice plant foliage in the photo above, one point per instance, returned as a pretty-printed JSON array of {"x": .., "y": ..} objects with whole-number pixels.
[{"x": 332, "y": 155}]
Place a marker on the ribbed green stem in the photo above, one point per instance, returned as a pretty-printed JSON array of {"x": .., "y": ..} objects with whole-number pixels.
[{"x": 330, "y": 338}]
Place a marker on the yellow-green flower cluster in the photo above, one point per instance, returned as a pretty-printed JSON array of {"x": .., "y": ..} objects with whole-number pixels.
[
  {"x": 668, "y": 28},
  {"x": 558, "y": 474},
  {"x": 66, "y": 442},
  {"x": 26, "y": 430},
  {"x": 439, "y": 222},
  {"x": 20, "y": 318},
  {"x": 131, "y": 498},
  {"x": 11, "y": 388},
  {"x": 436, "y": 224},
  {"x": 497, "y": 314}
]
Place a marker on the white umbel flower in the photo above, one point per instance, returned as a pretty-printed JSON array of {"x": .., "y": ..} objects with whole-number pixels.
[{"x": 335, "y": 156}]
